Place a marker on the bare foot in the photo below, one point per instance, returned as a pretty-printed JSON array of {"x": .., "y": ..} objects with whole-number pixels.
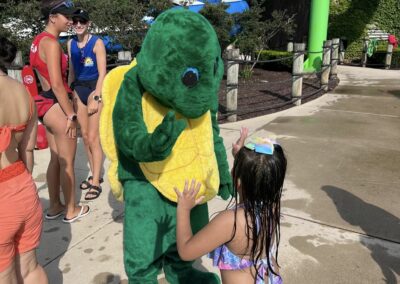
[{"x": 56, "y": 209}]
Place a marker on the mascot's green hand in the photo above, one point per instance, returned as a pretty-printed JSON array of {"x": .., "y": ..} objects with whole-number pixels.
[
  {"x": 226, "y": 190},
  {"x": 166, "y": 134}
]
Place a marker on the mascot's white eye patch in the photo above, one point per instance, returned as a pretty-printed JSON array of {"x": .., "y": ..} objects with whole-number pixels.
[{"x": 190, "y": 77}]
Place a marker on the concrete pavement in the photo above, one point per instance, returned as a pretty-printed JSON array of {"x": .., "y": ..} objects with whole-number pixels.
[{"x": 341, "y": 213}]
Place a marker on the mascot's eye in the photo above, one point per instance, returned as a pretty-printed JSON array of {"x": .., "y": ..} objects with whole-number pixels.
[
  {"x": 190, "y": 77},
  {"x": 215, "y": 66}
]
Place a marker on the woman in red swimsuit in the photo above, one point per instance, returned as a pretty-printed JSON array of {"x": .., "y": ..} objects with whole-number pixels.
[
  {"x": 21, "y": 215},
  {"x": 48, "y": 59}
]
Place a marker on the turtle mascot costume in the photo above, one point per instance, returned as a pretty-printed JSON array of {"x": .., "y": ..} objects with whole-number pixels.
[{"x": 158, "y": 128}]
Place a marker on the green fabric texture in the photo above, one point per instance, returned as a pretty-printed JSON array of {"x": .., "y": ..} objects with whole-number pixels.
[
  {"x": 150, "y": 221},
  {"x": 178, "y": 40}
]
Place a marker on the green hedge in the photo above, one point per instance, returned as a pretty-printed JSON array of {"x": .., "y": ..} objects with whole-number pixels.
[
  {"x": 285, "y": 64},
  {"x": 379, "y": 57},
  {"x": 350, "y": 19}
]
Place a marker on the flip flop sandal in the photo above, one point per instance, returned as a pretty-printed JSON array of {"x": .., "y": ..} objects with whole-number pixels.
[
  {"x": 94, "y": 194},
  {"x": 54, "y": 216},
  {"x": 86, "y": 183},
  {"x": 80, "y": 215}
]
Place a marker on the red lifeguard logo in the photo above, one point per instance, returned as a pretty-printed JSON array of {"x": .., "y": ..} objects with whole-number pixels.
[
  {"x": 33, "y": 48},
  {"x": 28, "y": 79}
]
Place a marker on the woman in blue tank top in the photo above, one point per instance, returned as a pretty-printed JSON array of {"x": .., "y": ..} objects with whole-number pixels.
[{"x": 87, "y": 56}]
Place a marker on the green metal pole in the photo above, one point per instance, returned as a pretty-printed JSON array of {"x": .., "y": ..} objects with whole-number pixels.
[{"x": 319, "y": 17}]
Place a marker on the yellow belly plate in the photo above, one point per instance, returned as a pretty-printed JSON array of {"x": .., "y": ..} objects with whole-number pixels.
[{"x": 192, "y": 156}]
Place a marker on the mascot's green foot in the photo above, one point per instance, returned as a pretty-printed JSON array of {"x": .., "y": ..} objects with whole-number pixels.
[{"x": 193, "y": 276}]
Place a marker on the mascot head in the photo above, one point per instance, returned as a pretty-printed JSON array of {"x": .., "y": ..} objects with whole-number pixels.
[{"x": 180, "y": 62}]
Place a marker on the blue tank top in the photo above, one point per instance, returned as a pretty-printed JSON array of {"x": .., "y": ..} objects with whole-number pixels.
[{"x": 84, "y": 60}]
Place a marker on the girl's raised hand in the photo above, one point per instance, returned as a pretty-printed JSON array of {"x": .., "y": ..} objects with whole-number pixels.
[
  {"x": 187, "y": 198},
  {"x": 240, "y": 142}
]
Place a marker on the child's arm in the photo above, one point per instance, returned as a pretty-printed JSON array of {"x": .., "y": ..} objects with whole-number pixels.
[
  {"x": 240, "y": 142},
  {"x": 216, "y": 233}
]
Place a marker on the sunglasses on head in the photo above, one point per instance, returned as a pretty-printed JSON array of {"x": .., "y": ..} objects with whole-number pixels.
[
  {"x": 79, "y": 20},
  {"x": 66, "y": 4}
]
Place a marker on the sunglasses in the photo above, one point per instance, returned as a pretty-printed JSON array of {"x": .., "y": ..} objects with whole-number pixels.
[{"x": 75, "y": 21}]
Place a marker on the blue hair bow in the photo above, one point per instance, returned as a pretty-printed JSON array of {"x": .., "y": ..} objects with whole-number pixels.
[{"x": 261, "y": 145}]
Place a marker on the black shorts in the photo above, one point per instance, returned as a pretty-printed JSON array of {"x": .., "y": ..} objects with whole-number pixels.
[{"x": 83, "y": 89}]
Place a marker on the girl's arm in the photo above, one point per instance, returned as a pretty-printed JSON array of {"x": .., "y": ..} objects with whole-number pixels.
[
  {"x": 244, "y": 132},
  {"x": 28, "y": 142},
  {"x": 101, "y": 57},
  {"x": 100, "y": 51},
  {"x": 71, "y": 73},
  {"x": 214, "y": 234}
]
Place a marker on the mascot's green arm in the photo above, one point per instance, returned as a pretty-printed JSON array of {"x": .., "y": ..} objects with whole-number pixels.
[
  {"x": 130, "y": 131},
  {"x": 225, "y": 188}
]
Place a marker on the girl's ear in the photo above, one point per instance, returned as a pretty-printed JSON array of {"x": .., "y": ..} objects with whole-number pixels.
[{"x": 51, "y": 19}]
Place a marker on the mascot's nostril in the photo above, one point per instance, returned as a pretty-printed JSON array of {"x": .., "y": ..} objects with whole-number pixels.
[{"x": 190, "y": 77}]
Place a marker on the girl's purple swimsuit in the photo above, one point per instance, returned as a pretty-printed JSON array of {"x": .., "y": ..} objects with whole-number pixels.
[{"x": 224, "y": 259}]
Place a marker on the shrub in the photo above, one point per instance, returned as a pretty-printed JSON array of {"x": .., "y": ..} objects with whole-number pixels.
[
  {"x": 350, "y": 18},
  {"x": 379, "y": 57},
  {"x": 285, "y": 64}
]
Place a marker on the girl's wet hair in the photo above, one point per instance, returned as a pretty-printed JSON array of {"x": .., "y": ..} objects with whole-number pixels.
[
  {"x": 260, "y": 177},
  {"x": 8, "y": 51}
]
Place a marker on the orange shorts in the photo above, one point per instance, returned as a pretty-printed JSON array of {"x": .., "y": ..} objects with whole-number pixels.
[{"x": 21, "y": 215}]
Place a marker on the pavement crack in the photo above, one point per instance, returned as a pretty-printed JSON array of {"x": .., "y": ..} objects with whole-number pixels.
[
  {"x": 358, "y": 112},
  {"x": 343, "y": 229}
]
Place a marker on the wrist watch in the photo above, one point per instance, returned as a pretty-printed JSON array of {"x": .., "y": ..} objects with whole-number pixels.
[
  {"x": 72, "y": 117},
  {"x": 97, "y": 98}
]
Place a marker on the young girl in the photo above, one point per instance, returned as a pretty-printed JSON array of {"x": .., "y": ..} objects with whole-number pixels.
[
  {"x": 243, "y": 240},
  {"x": 87, "y": 71}
]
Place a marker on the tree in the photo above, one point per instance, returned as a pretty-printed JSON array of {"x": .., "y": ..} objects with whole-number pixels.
[
  {"x": 122, "y": 20},
  {"x": 256, "y": 32},
  {"x": 20, "y": 22},
  {"x": 220, "y": 20}
]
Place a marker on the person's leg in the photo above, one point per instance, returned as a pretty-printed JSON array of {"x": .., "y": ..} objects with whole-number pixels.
[
  {"x": 145, "y": 225},
  {"x": 9, "y": 276},
  {"x": 95, "y": 149},
  {"x": 182, "y": 272},
  {"x": 81, "y": 111},
  {"x": 66, "y": 147},
  {"x": 53, "y": 177},
  {"x": 28, "y": 270}
]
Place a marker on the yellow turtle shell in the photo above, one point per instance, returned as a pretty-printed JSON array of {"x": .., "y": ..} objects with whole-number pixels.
[
  {"x": 111, "y": 85},
  {"x": 192, "y": 156}
]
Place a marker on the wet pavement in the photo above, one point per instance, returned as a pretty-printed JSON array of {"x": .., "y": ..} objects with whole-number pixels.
[{"x": 340, "y": 208}]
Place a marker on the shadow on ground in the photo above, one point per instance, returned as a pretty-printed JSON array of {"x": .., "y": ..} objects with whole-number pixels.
[{"x": 374, "y": 222}]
